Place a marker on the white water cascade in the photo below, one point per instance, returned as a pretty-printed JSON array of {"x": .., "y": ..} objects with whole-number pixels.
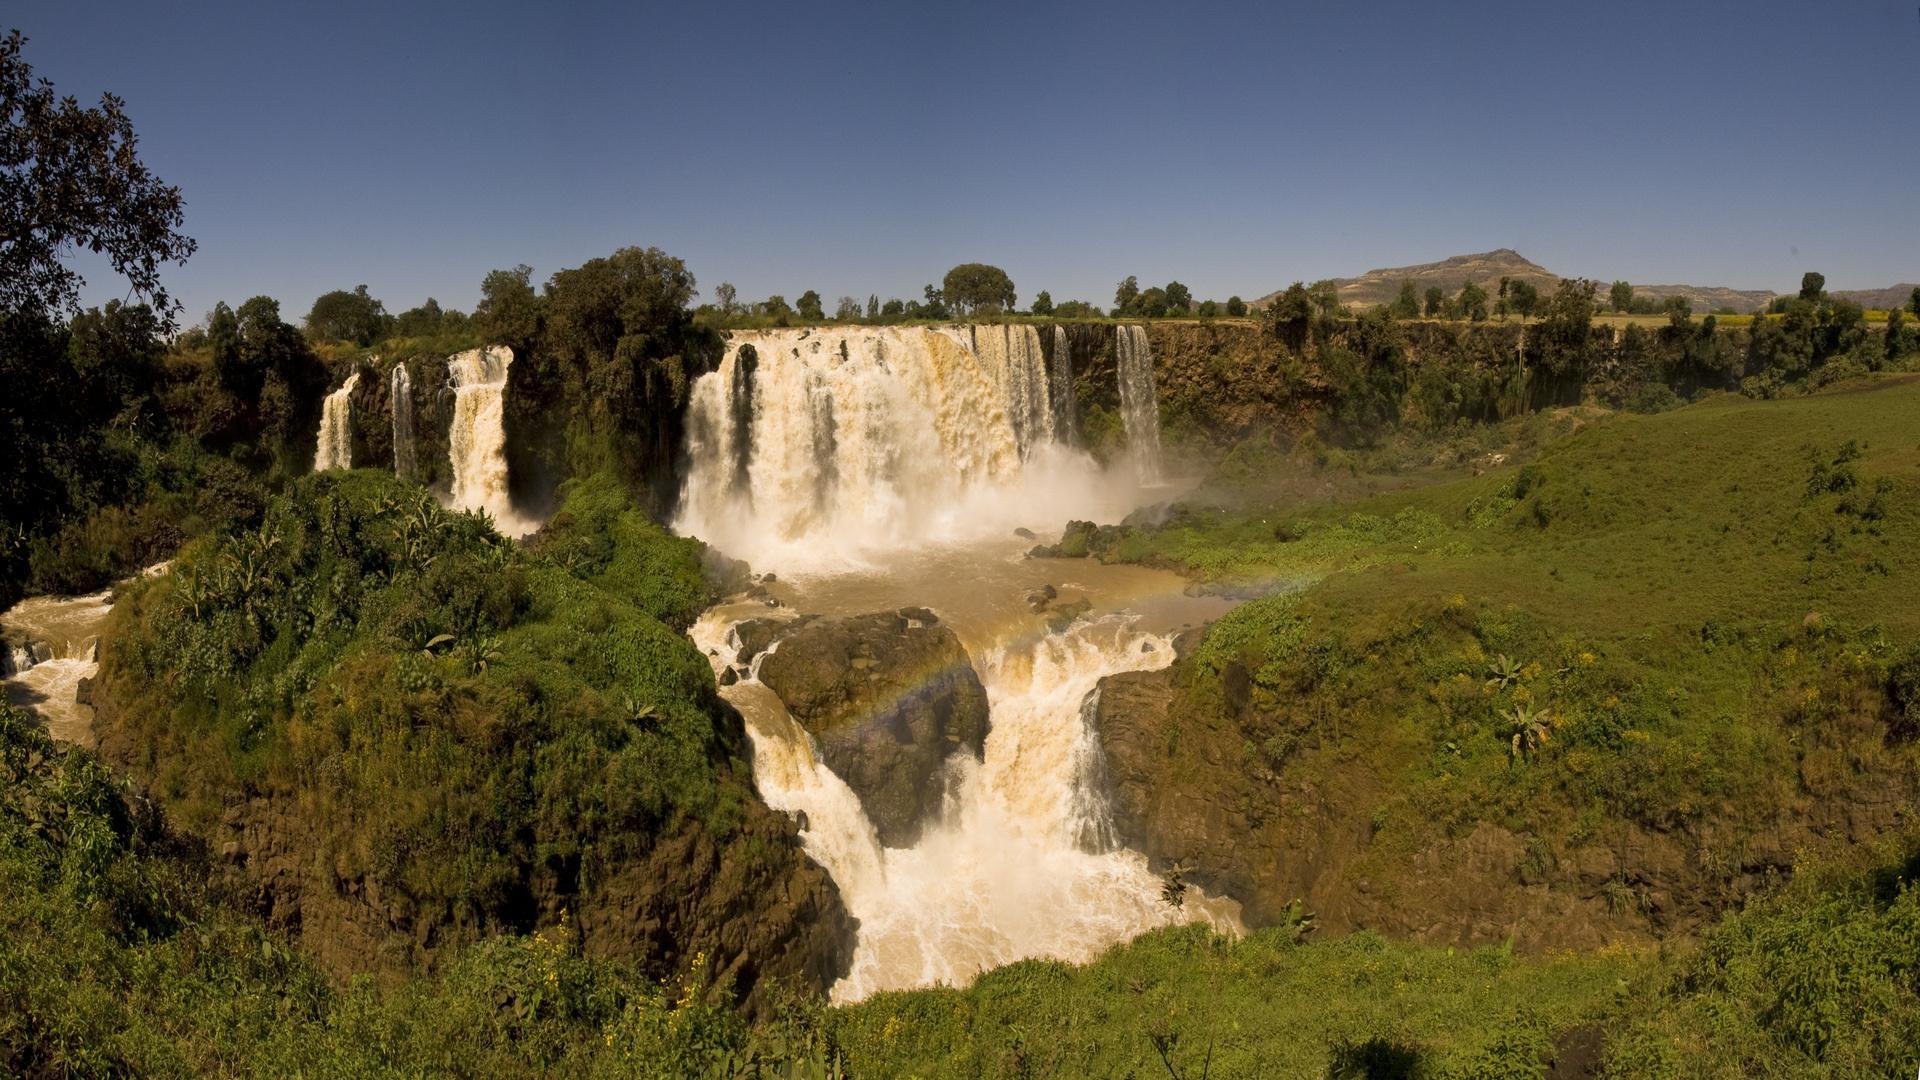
[
  {"x": 336, "y": 428},
  {"x": 476, "y": 443},
  {"x": 1012, "y": 359},
  {"x": 401, "y": 395},
  {"x": 1066, "y": 413},
  {"x": 1139, "y": 400},
  {"x": 880, "y": 467},
  {"x": 831, "y": 443}
]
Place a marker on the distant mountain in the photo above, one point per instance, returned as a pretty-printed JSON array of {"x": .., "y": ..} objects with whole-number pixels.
[
  {"x": 1381, "y": 286},
  {"x": 1705, "y": 298},
  {"x": 1880, "y": 299}
]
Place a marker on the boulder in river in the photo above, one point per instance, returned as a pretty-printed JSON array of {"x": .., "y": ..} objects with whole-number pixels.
[{"x": 891, "y": 697}]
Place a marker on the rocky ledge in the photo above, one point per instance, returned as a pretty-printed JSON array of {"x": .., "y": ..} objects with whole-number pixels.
[{"x": 891, "y": 697}]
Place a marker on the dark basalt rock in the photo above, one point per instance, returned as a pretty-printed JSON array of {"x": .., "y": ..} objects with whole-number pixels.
[{"x": 891, "y": 697}]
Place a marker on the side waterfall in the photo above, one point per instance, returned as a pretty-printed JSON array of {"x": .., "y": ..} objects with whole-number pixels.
[
  {"x": 336, "y": 428},
  {"x": 401, "y": 396},
  {"x": 1066, "y": 409},
  {"x": 477, "y": 440},
  {"x": 1139, "y": 401}
]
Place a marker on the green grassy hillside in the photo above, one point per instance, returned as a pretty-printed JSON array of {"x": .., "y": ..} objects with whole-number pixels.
[{"x": 406, "y": 734}]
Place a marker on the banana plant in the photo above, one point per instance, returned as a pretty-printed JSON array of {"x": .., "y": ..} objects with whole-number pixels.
[
  {"x": 475, "y": 653},
  {"x": 192, "y": 589},
  {"x": 1297, "y": 921},
  {"x": 1502, "y": 672},
  {"x": 1527, "y": 729}
]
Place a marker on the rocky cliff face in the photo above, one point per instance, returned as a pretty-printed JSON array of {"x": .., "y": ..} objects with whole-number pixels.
[
  {"x": 1185, "y": 791},
  {"x": 890, "y": 697}
]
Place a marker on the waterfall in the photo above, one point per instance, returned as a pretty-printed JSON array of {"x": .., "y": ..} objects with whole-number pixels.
[
  {"x": 850, "y": 439},
  {"x": 336, "y": 428},
  {"x": 1012, "y": 358},
  {"x": 401, "y": 396},
  {"x": 1139, "y": 401},
  {"x": 477, "y": 440},
  {"x": 876, "y": 467},
  {"x": 60, "y": 636},
  {"x": 1025, "y": 864},
  {"x": 1066, "y": 403}
]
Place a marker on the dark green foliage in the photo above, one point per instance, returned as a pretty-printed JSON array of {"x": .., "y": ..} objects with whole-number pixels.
[
  {"x": 510, "y": 313},
  {"x": 1436, "y": 302},
  {"x": 1817, "y": 979},
  {"x": 349, "y": 316},
  {"x": 1043, "y": 304},
  {"x": 108, "y": 433},
  {"x": 1185, "y": 1002},
  {"x": 1179, "y": 298},
  {"x": 117, "y": 960},
  {"x": 70, "y": 179},
  {"x": 1367, "y": 378},
  {"x": 1125, "y": 294},
  {"x": 1407, "y": 304},
  {"x": 430, "y": 322},
  {"x": 1471, "y": 304},
  {"x": 1620, "y": 296},
  {"x": 809, "y": 306},
  {"x": 1288, "y": 316},
  {"x": 1524, "y": 298},
  {"x": 527, "y": 723},
  {"x": 1236, "y": 307},
  {"x": 602, "y": 384},
  {"x": 975, "y": 287}
]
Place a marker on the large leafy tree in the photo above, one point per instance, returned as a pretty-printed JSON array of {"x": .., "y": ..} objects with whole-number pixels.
[
  {"x": 70, "y": 180},
  {"x": 970, "y": 287},
  {"x": 349, "y": 316},
  {"x": 1179, "y": 298},
  {"x": 1407, "y": 304},
  {"x": 75, "y": 397},
  {"x": 1524, "y": 297},
  {"x": 510, "y": 312},
  {"x": 1620, "y": 297},
  {"x": 621, "y": 343}
]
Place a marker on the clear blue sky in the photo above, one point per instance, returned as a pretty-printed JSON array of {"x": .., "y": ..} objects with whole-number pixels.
[{"x": 859, "y": 149}]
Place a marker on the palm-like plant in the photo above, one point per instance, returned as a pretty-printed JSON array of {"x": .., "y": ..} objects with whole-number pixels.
[
  {"x": 1502, "y": 672},
  {"x": 1527, "y": 729},
  {"x": 1173, "y": 887},
  {"x": 475, "y": 652}
]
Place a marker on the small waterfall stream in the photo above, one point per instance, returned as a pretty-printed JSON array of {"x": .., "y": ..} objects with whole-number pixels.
[
  {"x": 336, "y": 428},
  {"x": 1139, "y": 400},
  {"x": 401, "y": 396},
  {"x": 477, "y": 441}
]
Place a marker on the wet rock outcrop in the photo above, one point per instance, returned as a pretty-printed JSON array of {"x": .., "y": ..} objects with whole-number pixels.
[{"x": 890, "y": 697}]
